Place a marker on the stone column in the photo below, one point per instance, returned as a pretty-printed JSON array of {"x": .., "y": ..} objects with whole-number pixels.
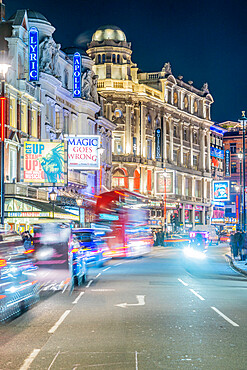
[
  {"x": 203, "y": 216},
  {"x": 181, "y": 142},
  {"x": 191, "y": 146},
  {"x": 108, "y": 111},
  {"x": 143, "y": 133},
  {"x": 202, "y": 149},
  {"x": 171, "y": 140},
  {"x": 208, "y": 165}
]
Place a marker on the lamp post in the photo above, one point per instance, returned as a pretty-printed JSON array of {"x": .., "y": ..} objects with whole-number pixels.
[
  {"x": 243, "y": 121},
  {"x": 53, "y": 197},
  {"x": 79, "y": 202},
  {"x": 4, "y": 66},
  {"x": 100, "y": 152},
  {"x": 240, "y": 156},
  {"x": 164, "y": 226},
  {"x": 237, "y": 202}
]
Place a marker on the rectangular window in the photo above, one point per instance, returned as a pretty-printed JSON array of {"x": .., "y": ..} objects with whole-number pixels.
[
  {"x": 12, "y": 112},
  {"x": 66, "y": 124},
  {"x": 233, "y": 167},
  {"x": 175, "y": 156},
  {"x": 34, "y": 128},
  {"x": 185, "y": 159},
  {"x": 12, "y": 164},
  {"x": 118, "y": 145},
  {"x": 149, "y": 149},
  {"x": 233, "y": 148},
  {"x": 185, "y": 134},
  {"x": 24, "y": 118},
  {"x": 175, "y": 131},
  {"x": 195, "y": 161}
]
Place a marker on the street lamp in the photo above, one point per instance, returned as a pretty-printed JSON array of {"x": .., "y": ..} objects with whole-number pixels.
[
  {"x": 243, "y": 122},
  {"x": 237, "y": 188},
  {"x": 240, "y": 156},
  {"x": 164, "y": 174},
  {"x": 53, "y": 197},
  {"x": 4, "y": 66}
]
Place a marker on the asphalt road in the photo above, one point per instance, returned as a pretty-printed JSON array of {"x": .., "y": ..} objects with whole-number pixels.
[{"x": 145, "y": 313}]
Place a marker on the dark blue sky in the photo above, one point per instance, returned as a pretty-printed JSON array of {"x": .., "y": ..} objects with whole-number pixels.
[{"x": 204, "y": 40}]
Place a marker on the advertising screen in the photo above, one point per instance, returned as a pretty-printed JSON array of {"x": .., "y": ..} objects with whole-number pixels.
[
  {"x": 83, "y": 152},
  {"x": 160, "y": 182},
  {"x": 221, "y": 190},
  {"x": 44, "y": 163}
]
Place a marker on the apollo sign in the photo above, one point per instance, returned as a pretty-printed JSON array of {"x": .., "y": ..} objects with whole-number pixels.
[
  {"x": 33, "y": 54},
  {"x": 77, "y": 75},
  {"x": 83, "y": 152}
]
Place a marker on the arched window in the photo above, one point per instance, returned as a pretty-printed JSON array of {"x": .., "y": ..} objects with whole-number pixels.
[
  {"x": 186, "y": 103},
  {"x": 118, "y": 59},
  {"x": 120, "y": 178},
  {"x": 195, "y": 107},
  {"x": 113, "y": 58},
  {"x": 103, "y": 58},
  {"x": 99, "y": 59}
]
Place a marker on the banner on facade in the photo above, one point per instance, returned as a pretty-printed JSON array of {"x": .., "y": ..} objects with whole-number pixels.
[
  {"x": 221, "y": 190},
  {"x": 44, "y": 163},
  {"x": 227, "y": 163},
  {"x": 164, "y": 184},
  {"x": 83, "y": 152},
  {"x": 33, "y": 54},
  {"x": 217, "y": 153}
]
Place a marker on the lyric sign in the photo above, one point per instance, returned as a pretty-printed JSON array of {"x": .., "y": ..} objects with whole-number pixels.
[
  {"x": 83, "y": 152},
  {"x": 33, "y": 54}
]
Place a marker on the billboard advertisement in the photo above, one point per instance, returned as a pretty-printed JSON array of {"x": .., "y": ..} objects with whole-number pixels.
[
  {"x": 160, "y": 182},
  {"x": 44, "y": 163},
  {"x": 83, "y": 152},
  {"x": 221, "y": 190}
]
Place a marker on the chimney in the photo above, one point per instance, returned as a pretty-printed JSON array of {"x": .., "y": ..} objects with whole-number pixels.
[{"x": 2, "y": 11}]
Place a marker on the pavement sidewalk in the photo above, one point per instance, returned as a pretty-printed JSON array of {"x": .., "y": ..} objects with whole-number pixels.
[{"x": 240, "y": 266}]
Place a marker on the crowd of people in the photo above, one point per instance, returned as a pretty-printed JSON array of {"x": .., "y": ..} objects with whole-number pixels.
[{"x": 238, "y": 243}]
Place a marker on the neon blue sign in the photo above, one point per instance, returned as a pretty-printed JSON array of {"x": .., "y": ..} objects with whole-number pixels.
[
  {"x": 77, "y": 75},
  {"x": 33, "y": 54}
]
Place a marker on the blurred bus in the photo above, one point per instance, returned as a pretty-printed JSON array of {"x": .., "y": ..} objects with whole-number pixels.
[
  {"x": 57, "y": 253},
  {"x": 124, "y": 215}
]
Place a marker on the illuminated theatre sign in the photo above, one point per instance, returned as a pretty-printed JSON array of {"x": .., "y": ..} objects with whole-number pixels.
[
  {"x": 83, "y": 152},
  {"x": 77, "y": 75},
  {"x": 33, "y": 54}
]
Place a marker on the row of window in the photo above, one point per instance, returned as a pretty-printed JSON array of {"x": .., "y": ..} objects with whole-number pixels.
[
  {"x": 114, "y": 58},
  {"x": 196, "y": 108},
  {"x": 24, "y": 117}
]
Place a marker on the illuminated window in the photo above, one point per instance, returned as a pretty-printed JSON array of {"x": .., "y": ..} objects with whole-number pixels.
[
  {"x": 175, "y": 98},
  {"x": 195, "y": 107},
  {"x": 24, "y": 118},
  {"x": 186, "y": 103},
  {"x": 118, "y": 179},
  {"x": 233, "y": 167},
  {"x": 34, "y": 127},
  {"x": 12, "y": 112},
  {"x": 118, "y": 145}
]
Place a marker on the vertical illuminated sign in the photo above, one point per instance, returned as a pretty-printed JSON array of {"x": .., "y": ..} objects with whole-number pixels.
[
  {"x": 227, "y": 163},
  {"x": 77, "y": 75},
  {"x": 33, "y": 54},
  {"x": 158, "y": 145}
]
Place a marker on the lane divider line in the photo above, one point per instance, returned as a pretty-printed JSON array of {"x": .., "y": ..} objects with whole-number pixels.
[
  {"x": 53, "y": 360},
  {"x": 77, "y": 299},
  {"x": 106, "y": 269},
  {"x": 59, "y": 322},
  {"x": 181, "y": 281},
  {"x": 118, "y": 264},
  {"x": 89, "y": 283},
  {"x": 197, "y": 295},
  {"x": 98, "y": 275},
  {"x": 136, "y": 359},
  {"x": 224, "y": 316},
  {"x": 30, "y": 359}
]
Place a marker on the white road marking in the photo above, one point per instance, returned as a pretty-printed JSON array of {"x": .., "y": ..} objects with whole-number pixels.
[
  {"x": 54, "y": 328},
  {"x": 77, "y": 299},
  {"x": 118, "y": 264},
  {"x": 136, "y": 353},
  {"x": 30, "y": 359},
  {"x": 140, "y": 299},
  {"x": 98, "y": 275},
  {"x": 106, "y": 269},
  {"x": 103, "y": 290},
  {"x": 53, "y": 361},
  {"x": 198, "y": 295},
  {"x": 181, "y": 281},
  {"x": 89, "y": 283},
  {"x": 224, "y": 316}
]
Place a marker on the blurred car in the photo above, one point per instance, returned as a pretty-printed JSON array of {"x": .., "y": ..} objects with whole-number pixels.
[
  {"x": 19, "y": 286},
  {"x": 94, "y": 248},
  {"x": 177, "y": 240},
  {"x": 224, "y": 237},
  {"x": 201, "y": 238}
]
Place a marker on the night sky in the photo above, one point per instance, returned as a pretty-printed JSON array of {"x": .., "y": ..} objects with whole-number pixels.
[{"x": 204, "y": 40}]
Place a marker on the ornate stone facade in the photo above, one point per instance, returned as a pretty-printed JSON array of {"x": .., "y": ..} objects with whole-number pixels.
[{"x": 139, "y": 104}]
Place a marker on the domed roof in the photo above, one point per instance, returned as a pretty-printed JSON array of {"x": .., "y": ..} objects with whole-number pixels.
[
  {"x": 109, "y": 32},
  {"x": 32, "y": 14}
]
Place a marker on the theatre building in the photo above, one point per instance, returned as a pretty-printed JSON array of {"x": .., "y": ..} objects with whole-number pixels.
[{"x": 161, "y": 144}]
